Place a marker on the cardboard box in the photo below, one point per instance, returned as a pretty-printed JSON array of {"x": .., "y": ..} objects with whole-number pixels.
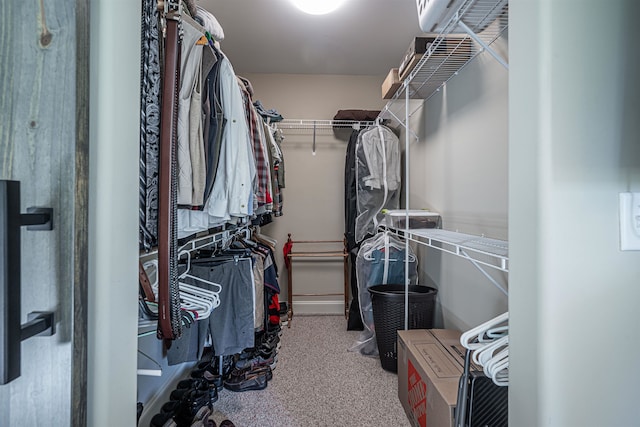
[
  {"x": 390, "y": 84},
  {"x": 430, "y": 363},
  {"x": 451, "y": 47},
  {"x": 413, "y": 54}
]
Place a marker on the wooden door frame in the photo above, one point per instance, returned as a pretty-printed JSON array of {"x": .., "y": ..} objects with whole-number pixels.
[{"x": 81, "y": 221}]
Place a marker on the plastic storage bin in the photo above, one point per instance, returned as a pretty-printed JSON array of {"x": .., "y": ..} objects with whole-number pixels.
[
  {"x": 417, "y": 219},
  {"x": 388, "y": 316}
]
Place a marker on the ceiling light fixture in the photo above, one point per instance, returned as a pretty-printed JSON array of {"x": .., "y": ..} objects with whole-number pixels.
[{"x": 317, "y": 7}]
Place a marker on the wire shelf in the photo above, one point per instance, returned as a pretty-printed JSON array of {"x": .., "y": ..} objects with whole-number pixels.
[
  {"x": 320, "y": 126},
  {"x": 489, "y": 252},
  {"x": 466, "y": 34}
]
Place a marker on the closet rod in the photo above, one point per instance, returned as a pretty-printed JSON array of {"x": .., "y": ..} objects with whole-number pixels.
[
  {"x": 205, "y": 240},
  {"x": 311, "y": 124},
  {"x": 317, "y": 254},
  {"x": 316, "y": 241}
]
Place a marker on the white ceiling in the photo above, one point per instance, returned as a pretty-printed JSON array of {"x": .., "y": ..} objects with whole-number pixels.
[{"x": 363, "y": 37}]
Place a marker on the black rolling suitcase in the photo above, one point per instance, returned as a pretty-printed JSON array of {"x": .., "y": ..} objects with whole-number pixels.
[{"x": 481, "y": 403}]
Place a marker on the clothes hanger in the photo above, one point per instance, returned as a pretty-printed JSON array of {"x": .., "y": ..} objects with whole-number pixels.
[
  {"x": 266, "y": 238},
  {"x": 489, "y": 343},
  {"x": 381, "y": 238},
  {"x": 212, "y": 297},
  {"x": 484, "y": 354},
  {"x": 497, "y": 362},
  {"x": 200, "y": 300},
  {"x": 248, "y": 242},
  {"x": 472, "y": 339},
  {"x": 200, "y": 307},
  {"x": 498, "y": 368},
  {"x": 196, "y": 278}
]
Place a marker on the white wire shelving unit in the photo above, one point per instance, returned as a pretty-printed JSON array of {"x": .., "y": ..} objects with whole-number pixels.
[
  {"x": 467, "y": 32},
  {"x": 470, "y": 31},
  {"x": 481, "y": 251},
  {"x": 486, "y": 251}
]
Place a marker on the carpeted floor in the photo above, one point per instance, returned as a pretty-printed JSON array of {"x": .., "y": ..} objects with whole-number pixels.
[{"x": 318, "y": 382}]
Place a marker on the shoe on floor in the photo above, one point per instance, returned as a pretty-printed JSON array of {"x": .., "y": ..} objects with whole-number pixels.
[
  {"x": 227, "y": 423},
  {"x": 199, "y": 384},
  {"x": 185, "y": 404},
  {"x": 256, "y": 362},
  {"x": 163, "y": 420},
  {"x": 201, "y": 419},
  {"x": 238, "y": 374},
  {"x": 246, "y": 383}
]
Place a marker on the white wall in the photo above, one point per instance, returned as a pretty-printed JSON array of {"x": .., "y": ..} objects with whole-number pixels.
[
  {"x": 574, "y": 108},
  {"x": 314, "y": 193},
  {"x": 459, "y": 168},
  {"x": 113, "y": 216}
]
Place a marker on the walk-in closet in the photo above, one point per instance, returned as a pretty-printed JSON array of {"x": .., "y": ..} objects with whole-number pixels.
[
  {"x": 288, "y": 213},
  {"x": 275, "y": 202}
]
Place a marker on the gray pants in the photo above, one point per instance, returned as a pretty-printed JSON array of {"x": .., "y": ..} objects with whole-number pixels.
[{"x": 231, "y": 323}]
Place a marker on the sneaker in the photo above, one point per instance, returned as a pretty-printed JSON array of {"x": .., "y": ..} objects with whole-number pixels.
[
  {"x": 200, "y": 384},
  {"x": 238, "y": 373},
  {"x": 247, "y": 382},
  {"x": 257, "y": 361},
  {"x": 163, "y": 420}
]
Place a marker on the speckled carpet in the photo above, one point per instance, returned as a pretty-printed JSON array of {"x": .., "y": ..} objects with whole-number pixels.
[{"x": 318, "y": 382}]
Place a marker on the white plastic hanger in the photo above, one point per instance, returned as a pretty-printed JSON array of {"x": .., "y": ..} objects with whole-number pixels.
[
  {"x": 383, "y": 237},
  {"x": 474, "y": 338},
  {"x": 490, "y": 345},
  {"x": 209, "y": 297},
  {"x": 498, "y": 368},
  {"x": 195, "y": 298},
  {"x": 197, "y": 279},
  {"x": 483, "y": 355},
  {"x": 199, "y": 306}
]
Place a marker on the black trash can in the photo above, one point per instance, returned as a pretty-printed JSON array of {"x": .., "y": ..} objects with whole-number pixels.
[{"x": 388, "y": 316}]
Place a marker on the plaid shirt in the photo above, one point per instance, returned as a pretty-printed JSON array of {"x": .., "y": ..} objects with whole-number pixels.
[{"x": 263, "y": 178}]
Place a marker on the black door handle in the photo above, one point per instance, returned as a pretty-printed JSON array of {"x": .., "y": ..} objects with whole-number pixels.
[{"x": 12, "y": 333}]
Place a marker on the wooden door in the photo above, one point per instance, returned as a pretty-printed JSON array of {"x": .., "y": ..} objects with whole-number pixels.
[{"x": 44, "y": 58}]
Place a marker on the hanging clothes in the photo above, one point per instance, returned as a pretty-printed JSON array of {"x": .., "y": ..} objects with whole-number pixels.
[
  {"x": 262, "y": 186},
  {"x": 232, "y": 323},
  {"x": 189, "y": 347},
  {"x": 232, "y": 193},
  {"x": 210, "y": 23},
  {"x": 149, "y": 126},
  {"x": 191, "y": 160},
  {"x": 258, "y": 276},
  {"x": 377, "y": 177},
  {"x": 354, "y": 321},
  {"x": 215, "y": 120},
  {"x": 205, "y": 160},
  {"x": 380, "y": 261},
  {"x": 276, "y": 156}
]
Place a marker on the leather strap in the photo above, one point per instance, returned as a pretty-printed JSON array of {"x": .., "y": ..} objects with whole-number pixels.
[
  {"x": 145, "y": 284},
  {"x": 168, "y": 114}
]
